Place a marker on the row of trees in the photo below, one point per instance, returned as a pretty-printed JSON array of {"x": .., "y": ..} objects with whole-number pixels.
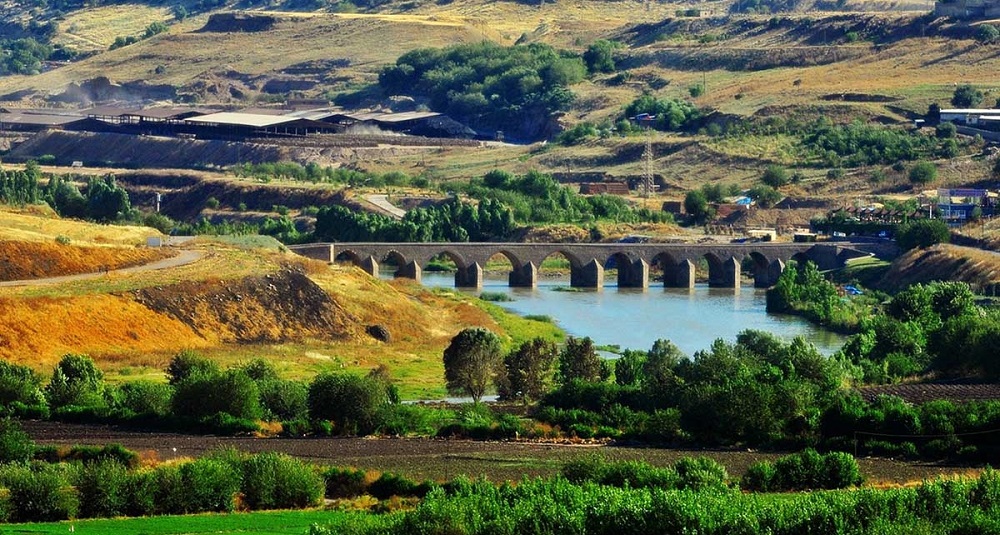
[{"x": 101, "y": 200}]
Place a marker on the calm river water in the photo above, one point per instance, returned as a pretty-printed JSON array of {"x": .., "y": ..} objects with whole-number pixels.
[{"x": 634, "y": 319}]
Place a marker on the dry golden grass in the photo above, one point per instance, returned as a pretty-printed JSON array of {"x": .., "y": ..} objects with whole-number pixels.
[
  {"x": 94, "y": 29},
  {"x": 977, "y": 267},
  {"x": 40, "y": 224}
]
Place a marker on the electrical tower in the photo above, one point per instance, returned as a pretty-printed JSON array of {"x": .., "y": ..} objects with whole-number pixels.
[{"x": 647, "y": 156}]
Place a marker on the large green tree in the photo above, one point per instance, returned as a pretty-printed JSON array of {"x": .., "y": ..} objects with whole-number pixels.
[
  {"x": 579, "y": 360},
  {"x": 472, "y": 361},
  {"x": 529, "y": 370}
]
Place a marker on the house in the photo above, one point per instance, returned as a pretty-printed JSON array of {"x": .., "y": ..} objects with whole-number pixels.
[
  {"x": 969, "y": 116},
  {"x": 956, "y": 206}
]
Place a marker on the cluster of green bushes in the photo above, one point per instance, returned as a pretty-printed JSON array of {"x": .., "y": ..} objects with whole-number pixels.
[
  {"x": 106, "y": 488},
  {"x": 503, "y": 201},
  {"x": 889, "y": 426},
  {"x": 806, "y": 470},
  {"x": 758, "y": 391},
  {"x": 667, "y": 114},
  {"x": 514, "y": 89},
  {"x": 451, "y": 221},
  {"x": 103, "y": 199},
  {"x": 538, "y": 198},
  {"x": 545, "y": 507},
  {"x": 801, "y": 289},
  {"x": 688, "y": 473},
  {"x": 23, "y": 56}
]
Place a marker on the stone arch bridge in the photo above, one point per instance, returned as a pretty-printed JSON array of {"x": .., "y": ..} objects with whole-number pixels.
[{"x": 588, "y": 260}]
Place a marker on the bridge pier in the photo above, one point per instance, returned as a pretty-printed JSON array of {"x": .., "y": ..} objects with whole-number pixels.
[
  {"x": 681, "y": 276},
  {"x": 525, "y": 276},
  {"x": 589, "y": 275},
  {"x": 727, "y": 276},
  {"x": 634, "y": 274},
  {"x": 370, "y": 266},
  {"x": 469, "y": 277},
  {"x": 410, "y": 270},
  {"x": 769, "y": 277}
]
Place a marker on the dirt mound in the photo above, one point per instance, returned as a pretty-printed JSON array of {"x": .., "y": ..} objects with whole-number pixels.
[
  {"x": 981, "y": 269},
  {"x": 34, "y": 260},
  {"x": 272, "y": 308}
]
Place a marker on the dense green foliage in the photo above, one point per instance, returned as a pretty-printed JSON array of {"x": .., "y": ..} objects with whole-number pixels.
[
  {"x": 354, "y": 403},
  {"x": 528, "y": 370},
  {"x": 922, "y": 233},
  {"x": 802, "y": 289},
  {"x": 556, "y": 506},
  {"x": 23, "y": 56},
  {"x": 806, "y": 470},
  {"x": 20, "y": 391},
  {"x": 966, "y": 96},
  {"x": 688, "y": 473},
  {"x": 758, "y": 391},
  {"x": 667, "y": 114},
  {"x": 514, "y": 89}
]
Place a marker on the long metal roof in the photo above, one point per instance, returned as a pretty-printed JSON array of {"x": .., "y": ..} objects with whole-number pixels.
[
  {"x": 242, "y": 119},
  {"x": 41, "y": 119}
]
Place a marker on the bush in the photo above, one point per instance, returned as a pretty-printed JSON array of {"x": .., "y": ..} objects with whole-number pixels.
[
  {"x": 344, "y": 483},
  {"x": 700, "y": 473},
  {"x": 284, "y": 400},
  {"x": 103, "y": 488},
  {"x": 232, "y": 392},
  {"x": 277, "y": 481},
  {"x": 40, "y": 494},
  {"x": 76, "y": 381},
  {"x": 923, "y": 173},
  {"x": 389, "y": 485},
  {"x": 187, "y": 364},
  {"x": 208, "y": 486},
  {"x": 145, "y": 398},
  {"x": 760, "y": 477},
  {"x": 922, "y": 233},
  {"x": 15, "y": 445},
  {"x": 356, "y": 404},
  {"x": 19, "y": 387},
  {"x": 775, "y": 176}
]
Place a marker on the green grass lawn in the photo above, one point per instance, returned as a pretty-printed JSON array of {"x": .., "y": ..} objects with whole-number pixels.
[{"x": 263, "y": 523}]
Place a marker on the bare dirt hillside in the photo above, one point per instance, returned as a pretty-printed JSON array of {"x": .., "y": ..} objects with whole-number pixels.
[{"x": 979, "y": 268}]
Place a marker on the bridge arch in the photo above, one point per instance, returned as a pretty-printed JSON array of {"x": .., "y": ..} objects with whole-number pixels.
[
  {"x": 724, "y": 270},
  {"x": 678, "y": 270},
  {"x": 633, "y": 270}
]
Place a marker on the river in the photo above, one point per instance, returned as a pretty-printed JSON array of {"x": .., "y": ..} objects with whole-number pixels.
[{"x": 634, "y": 319}]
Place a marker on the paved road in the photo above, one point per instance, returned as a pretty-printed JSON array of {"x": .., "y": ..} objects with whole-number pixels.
[
  {"x": 184, "y": 258},
  {"x": 382, "y": 202}
]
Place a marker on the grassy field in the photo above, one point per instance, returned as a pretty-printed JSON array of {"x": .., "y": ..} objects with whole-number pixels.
[
  {"x": 259, "y": 523},
  {"x": 94, "y": 29}
]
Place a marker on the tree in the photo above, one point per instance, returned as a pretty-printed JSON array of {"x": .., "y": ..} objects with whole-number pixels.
[
  {"x": 987, "y": 33},
  {"x": 579, "y": 360},
  {"x": 945, "y": 130},
  {"x": 187, "y": 364},
  {"x": 923, "y": 173},
  {"x": 628, "y": 368},
  {"x": 354, "y": 403},
  {"x": 20, "y": 387},
  {"x": 966, "y": 96},
  {"x": 775, "y": 176},
  {"x": 658, "y": 370},
  {"x": 529, "y": 370},
  {"x": 75, "y": 381},
  {"x": 922, "y": 233},
  {"x": 599, "y": 56},
  {"x": 766, "y": 196},
  {"x": 696, "y": 206},
  {"x": 231, "y": 392},
  {"x": 472, "y": 360}
]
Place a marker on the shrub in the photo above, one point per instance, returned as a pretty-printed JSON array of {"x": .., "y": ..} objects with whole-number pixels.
[
  {"x": 145, "y": 397},
  {"x": 19, "y": 387},
  {"x": 344, "y": 482},
  {"x": 39, "y": 494},
  {"x": 760, "y": 477},
  {"x": 284, "y": 400},
  {"x": 232, "y": 392},
  {"x": 76, "y": 381},
  {"x": 188, "y": 364},
  {"x": 922, "y": 233},
  {"x": 356, "y": 404},
  {"x": 700, "y": 473},
  {"x": 208, "y": 486},
  {"x": 923, "y": 173},
  {"x": 15, "y": 445},
  {"x": 389, "y": 485},
  {"x": 775, "y": 176},
  {"x": 104, "y": 489},
  {"x": 277, "y": 481},
  {"x": 140, "y": 492}
]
